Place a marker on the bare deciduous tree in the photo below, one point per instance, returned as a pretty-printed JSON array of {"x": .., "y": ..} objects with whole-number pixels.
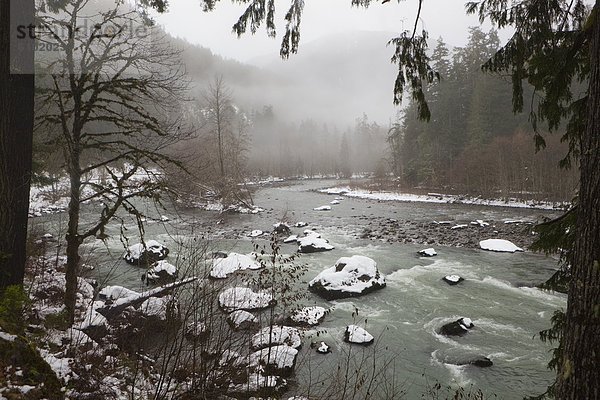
[{"x": 110, "y": 102}]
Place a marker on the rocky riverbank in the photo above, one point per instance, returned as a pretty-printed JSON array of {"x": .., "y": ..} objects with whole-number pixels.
[{"x": 447, "y": 233}]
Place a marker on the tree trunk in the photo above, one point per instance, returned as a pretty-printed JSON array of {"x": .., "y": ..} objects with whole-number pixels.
[
  {"x": 16, "y": 132},
  {"x": 579, "y": 370},
  {"x": 73, "y": 239}
]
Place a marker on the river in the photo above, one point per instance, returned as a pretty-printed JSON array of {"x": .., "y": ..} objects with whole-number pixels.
[{"x": 497, "y": 294}]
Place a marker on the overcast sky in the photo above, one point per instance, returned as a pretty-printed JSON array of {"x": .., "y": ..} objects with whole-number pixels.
[{"x": 185, "y": 19}]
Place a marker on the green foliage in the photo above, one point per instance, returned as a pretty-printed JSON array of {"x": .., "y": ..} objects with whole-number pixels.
[
  {"x": 13, "y": 302},
  {"x": 19, "y": 355},
  {"x": 550, "y": 52}
]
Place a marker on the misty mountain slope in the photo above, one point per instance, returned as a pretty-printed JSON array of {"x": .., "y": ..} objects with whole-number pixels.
[
  {"x": 334, "y": 79},
  {"x": 337, "y": 78}
]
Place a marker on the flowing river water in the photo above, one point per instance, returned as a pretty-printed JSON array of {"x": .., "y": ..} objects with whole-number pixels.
[{"x": 498, "y": 293}]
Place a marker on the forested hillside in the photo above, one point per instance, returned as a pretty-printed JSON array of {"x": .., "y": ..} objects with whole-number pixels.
[{"x": 474, "y": 143}]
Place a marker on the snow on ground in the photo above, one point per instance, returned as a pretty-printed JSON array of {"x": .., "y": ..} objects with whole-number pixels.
[
  {"x": 322, "y": 208},
  {"x": 499, "y": 245},
  {"x": 441, "y": 198},
  {"x": 222, "y": 267}
]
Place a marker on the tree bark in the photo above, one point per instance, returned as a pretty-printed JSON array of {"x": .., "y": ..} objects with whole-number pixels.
[
  {"x": 16, "y": 133},
  {"x": 73, "y": 238},
  {"x": 579, "y": 370}
]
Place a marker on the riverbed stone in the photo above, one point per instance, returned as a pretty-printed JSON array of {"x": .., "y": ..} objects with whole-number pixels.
[
  {"x": 349, "y": 277},
  {"x": 457, "y": 328}
]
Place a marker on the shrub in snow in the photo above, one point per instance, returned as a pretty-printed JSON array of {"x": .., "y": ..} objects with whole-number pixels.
[
  {"x": 308, "y": 316},
  {"x": 276, "y": 335},
  {"x": 499, "y": 245},
  {"x": 349, "y": 277},
  {"x": 243, "y": 298},
  {"x": 160, "y": 272},
  {"x": 457, "y": 328},
  {"x": 358, "y": 335},
  {"x": 222, "y": 267},
  {"x": 430, "y": 252},
  {"x": 452, "y": 279},
  {"x": 145, "y": 253}
]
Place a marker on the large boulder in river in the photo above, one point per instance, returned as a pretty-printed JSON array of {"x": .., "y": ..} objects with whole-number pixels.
[
  {"x": 308, "y": 316},
  {"x": 146, "y": 253},
  {"x": 243, "y": 298},
  {"x": 453, "y": 279},
  {"x": 457, "y": 328},
  {"x": 279, "y": 359},
  {"x": 481, "y": 362},
  {"x": 349, "y": 277},
  {"x": 313, "y": 243},
  {"x": 499, "y": 245},
  {"x": 222, "y": 267},
  {"x": 356, "y": 334},
  {"x": 276, "y": 335},
  {"x": 160, "y": 272}
]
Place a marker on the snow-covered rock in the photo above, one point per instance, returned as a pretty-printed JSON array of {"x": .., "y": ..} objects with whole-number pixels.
[
  {"x": 310, "y": 232},
  {"x": 499, "y": 245},
  {"x": 278, "y": 359},
  {"x": 313, "y": 244},
  {"x": 308, "y": 315},
  {"x": 281, "y": 228},
  {"x": 256, "y": 233},
  {"x": 457, "y": 328},
  {"x": 145, "y": 253},
  {"x": 349, "y": 277},
  {"x": 222, "y": 267},
  {"x": 459, "y": 226},
  {"x": 322, "y": 208},
  {"x": 243, "y": 298},
  {"x": 452, "y": 279},
  {"x": 301, "y": 224},
  {"x": 358, "y": 335},
  {"x": 334, "y": 202},
  {"x": 155, "y": 307},
  {"x": 276, "y": 335},
  {"x": 164, "y": 218},
  {"x": 196, "y": 330},
  {"x": 323, "y": 348},
  {"x": 291, "y": 239},
  {"x": 258, "y": 382},
  {"x": 112, "y": 293},
  {"x": 479, "y": 222},
  {"x": 242, "y": 319},
  {"x": 430, "y": 252},
  {"x": 160, "y": 271}
]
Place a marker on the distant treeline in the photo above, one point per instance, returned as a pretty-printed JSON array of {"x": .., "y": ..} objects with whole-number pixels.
[{"x": 473, "y": 142}]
